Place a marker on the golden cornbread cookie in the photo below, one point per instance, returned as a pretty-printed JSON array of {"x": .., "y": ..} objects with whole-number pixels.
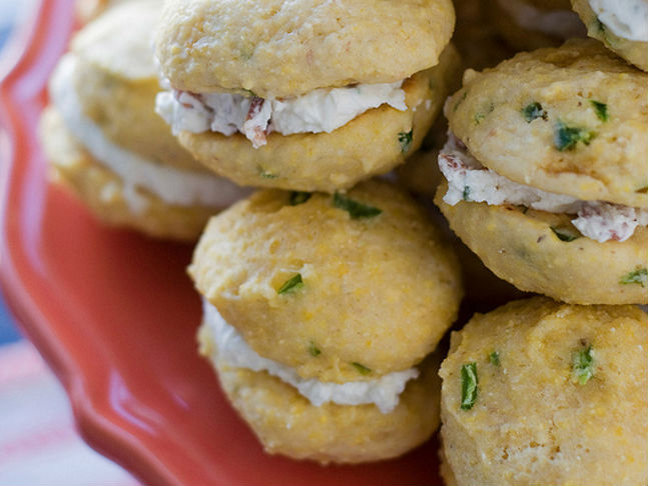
[
  {"x": 571, "y": 120},
  {"x": 538, "y": 392},
  {"x": 287, "y": 423},
  {"x": 370, "y": 144},
  {"x": 108, "y": 144},
  {"x": 621, "y": 26},
  {"x": 542, "y": 252},
  {"x": 278, "y": 49},
  {"x": 531, "y": 24},
  {"x": 364, "y": 278},
  {"x": 104, "y": 192}
]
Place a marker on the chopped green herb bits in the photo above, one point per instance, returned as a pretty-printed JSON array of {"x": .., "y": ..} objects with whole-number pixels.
[
  {"x": 298, "y": 197},
  {"x": 532, "y": 111},
  {"x": 600, "y": 109},
  {"x": 313, "y": 350},
  {"x": 459, "y": 101},
  {"x": 565, "y": 234},
  {"x": 249, "y": 93},
  {"x": 494, "y": 358},
  {"x": 405, "y": 140},
  {"x": 267, "y": 175},
  {"x": 466, "y": 193},
  {"x": 469, "y": 388},
  {"x": 356, "y": 209},
  {"x": 566, "y": 137},
  {"x": 480, "y": 115},
  {"x": 292, "y": 284},
  {"x": 582, "y": 365},
  {"x": 639, "y": 276},
  {"x": 362, "y": 369}
]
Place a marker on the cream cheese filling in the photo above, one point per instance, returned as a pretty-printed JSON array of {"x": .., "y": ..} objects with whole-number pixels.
[
  {"x": 558, "y": 23},
  {"x": 173, "y": 186},
  {"x": 469, "y": 180},
  {"x": 321, "y": 110},
  {"x": 383, "y": 392},
  {"x": 625, "y": 18}
]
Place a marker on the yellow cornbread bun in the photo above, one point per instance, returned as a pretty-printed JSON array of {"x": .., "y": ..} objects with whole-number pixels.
[
  {"x": 287, "y": 423},
  {"x": 590, "y": 137},
  {"x": 633, "y": 51},
  {"x": 104, "y": 193},
  {"x": 370, "y": 144},
  {"x": 364, "y": 277},
  {"x": 525, "y": 247},
  {"x": 276, "y": 48},
  {"x": 538, "y": 392}
]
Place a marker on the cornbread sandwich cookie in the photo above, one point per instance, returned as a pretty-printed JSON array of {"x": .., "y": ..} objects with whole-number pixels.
[
  {"x": 310, "y": 95},
  {"x": 531, "y": 24},
  {"x": 622, "y": 25},
  {"x": 546, "y": 177},
  {"x": 337, "y": 298},
  {"x": 540, "y": 392},
  {"x": 107, "y": 144}
]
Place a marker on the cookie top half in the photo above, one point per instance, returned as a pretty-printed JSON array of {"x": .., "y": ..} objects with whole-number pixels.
[
  {"x": 570, "y": 120},
  {"x": 276, "y": 48},
  {"x": 121, "y": 42},
  {"x": 539, "y": 392},
  {"x": 111, "y": 71}
]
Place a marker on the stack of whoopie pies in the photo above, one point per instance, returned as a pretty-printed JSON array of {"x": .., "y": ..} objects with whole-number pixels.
[
  {"x": 545, "y": 179},
  {"x": 321, "y": 309},
  {"x": 326, "y": 293}
]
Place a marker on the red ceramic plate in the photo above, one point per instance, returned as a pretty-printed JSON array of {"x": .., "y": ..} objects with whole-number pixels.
[{"x": 115, "y": 315}]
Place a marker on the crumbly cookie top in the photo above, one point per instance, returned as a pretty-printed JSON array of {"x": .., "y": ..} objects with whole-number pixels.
[{"x": 278, "y": 48}]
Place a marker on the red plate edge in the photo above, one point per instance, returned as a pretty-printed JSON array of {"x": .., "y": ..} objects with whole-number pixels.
[
  {"x": 52, "y": 22},
  {"x": 21, "y": 99}
]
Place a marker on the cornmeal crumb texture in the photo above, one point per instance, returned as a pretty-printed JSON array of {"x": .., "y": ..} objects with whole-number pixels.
[
  {"x": 523, "y": 247},
  {"x": 573, "y": 146},
  {"x": 378, "y": 290},
  {"x": 563, "y": 404},
  {"x": 276, "y": 48},
  {"x": 103, "y": 191},
  {"x": 287, "y": 423},
  {"x": 370, "y": 144},
  {"x": 635, "y": 52}
]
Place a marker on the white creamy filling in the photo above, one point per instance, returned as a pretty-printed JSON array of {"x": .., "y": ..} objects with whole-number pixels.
[
  {"x": 321, "y": 110},
  {"x": 468, "y": 180},
  {"x": 232, "y": 348},
  {"x": 173, "y": 186},
  {"x": 559, "y": 23},
  {"x": 625, "y": 18}
]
